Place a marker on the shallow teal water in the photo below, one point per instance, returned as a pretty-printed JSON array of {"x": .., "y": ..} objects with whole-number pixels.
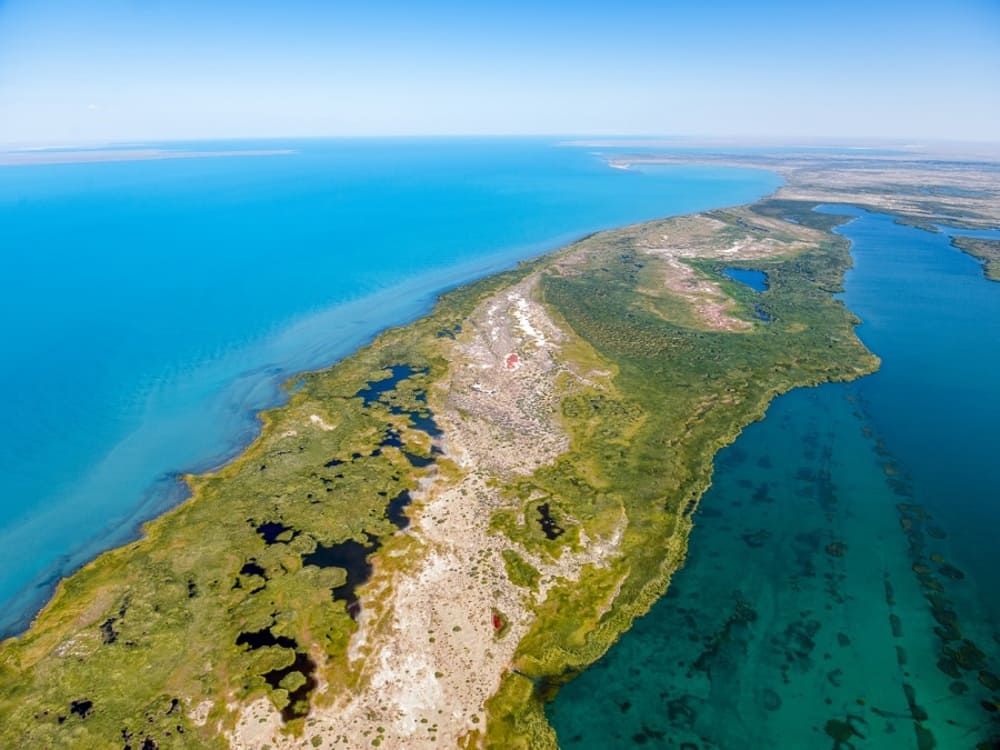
[
  {"x": 840, "y": 590},
  {"x": 149, "y": 309}
]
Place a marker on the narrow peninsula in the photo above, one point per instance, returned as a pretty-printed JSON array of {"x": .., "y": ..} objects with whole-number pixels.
[{"x": 434, "y": 534}]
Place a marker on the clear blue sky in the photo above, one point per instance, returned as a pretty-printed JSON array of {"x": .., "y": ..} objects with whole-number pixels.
[{"x": 100, "y": 70}]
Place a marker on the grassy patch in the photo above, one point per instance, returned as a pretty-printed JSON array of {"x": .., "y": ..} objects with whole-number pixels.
[
  {"x": 986, "y": 251},
  {"x": 520, "y": 571}
]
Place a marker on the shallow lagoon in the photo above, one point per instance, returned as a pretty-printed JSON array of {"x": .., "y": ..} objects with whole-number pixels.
[
  {"x": 840, "y": 589},
  {"x": 151, "y": 308}
]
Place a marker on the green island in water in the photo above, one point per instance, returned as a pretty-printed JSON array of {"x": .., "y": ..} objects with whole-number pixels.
[{"x": 437, "y": 532}]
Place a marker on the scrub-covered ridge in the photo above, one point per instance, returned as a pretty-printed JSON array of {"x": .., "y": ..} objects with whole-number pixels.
[
  {"x": 435, "y": 533},
  {"x": 986, "y": 251}
]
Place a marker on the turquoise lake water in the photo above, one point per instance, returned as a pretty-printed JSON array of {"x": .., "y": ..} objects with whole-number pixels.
[
  {"x": 149, "y": 309},
  {"x": 841, "y": 589}
]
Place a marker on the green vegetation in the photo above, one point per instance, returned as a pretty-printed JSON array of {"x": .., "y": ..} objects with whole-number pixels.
[
  {"x": 987, "y": 251},
  {"x": 239, "y": 592},
  {"x": 520, "y": 571}
]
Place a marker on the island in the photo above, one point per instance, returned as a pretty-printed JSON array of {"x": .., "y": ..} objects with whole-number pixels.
[{"x": 435, "y": 533}]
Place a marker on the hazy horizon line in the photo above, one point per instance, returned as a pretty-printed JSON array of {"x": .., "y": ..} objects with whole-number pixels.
[{"x": 568, "y": 139}]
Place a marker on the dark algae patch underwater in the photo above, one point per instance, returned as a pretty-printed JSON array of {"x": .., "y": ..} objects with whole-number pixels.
[{"x": 251, "y": 591}]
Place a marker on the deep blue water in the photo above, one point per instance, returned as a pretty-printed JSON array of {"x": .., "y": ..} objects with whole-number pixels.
[
  {"x": 149, "y": 309},
  {"x": 756, "y": 280},
  {"x": 840, "y": 589}
]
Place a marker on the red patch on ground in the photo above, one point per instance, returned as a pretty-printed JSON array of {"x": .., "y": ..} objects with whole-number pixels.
[
  {"x": 512, "y": 361},
  {"x": 497, "y": 622}
]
